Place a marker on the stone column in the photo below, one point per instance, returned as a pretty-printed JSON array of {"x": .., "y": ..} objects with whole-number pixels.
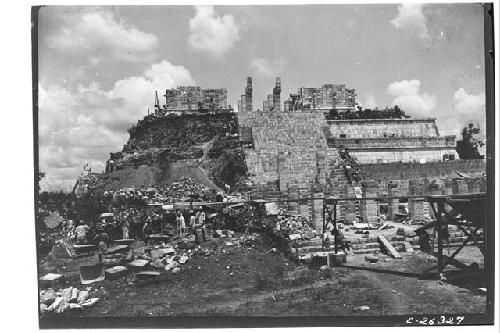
[
  {"x": 293, "y": 194},
  {"x": 416, "y": 206},
  {"x": 460, "y": 186},
  {"x": 474, "y": 185},
  {"x": 369, "y": 208},
  {"x": 349, "y": 206},
  {"x": 448, "y": 187},
  {"x": 433, "y": 189},
  {"x": 393, "y": 204},
  {"x": 317, "y": 212}
]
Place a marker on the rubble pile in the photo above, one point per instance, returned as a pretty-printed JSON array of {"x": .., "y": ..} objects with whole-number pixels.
[
  {"x": 181, "y": 190},
  {"x": 184, "y": 189},
  {"x": 294, "y": 227},
  {"x": 65, "y": 299}
]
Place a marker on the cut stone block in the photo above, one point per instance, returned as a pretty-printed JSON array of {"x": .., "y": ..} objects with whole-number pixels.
[
  {"x": 115, "y": 272},
  {"x": 138, "y": 264}
]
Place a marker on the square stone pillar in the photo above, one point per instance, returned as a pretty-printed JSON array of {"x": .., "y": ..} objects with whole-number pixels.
[
  {"x": 416, "y": 205},
  {"x": 369, "y": 208},
  {"x": 349, "y": 206},
  {"x": 460, "y": 186},
  {"x": 317, "y": 212},
  {"x": 448, "y": 187},
  {"x": 392, "y": 204},
  {"x": 433, "y": 189},
  {"x": 293, "y": 194},
  {"x": 474, "y": 185}
]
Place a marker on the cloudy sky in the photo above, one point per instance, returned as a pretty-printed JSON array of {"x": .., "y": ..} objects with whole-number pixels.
[{"x": 99, "y": 66}]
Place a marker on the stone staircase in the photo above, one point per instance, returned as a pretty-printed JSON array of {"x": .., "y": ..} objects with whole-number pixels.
[{"x": 371, "y": 244}]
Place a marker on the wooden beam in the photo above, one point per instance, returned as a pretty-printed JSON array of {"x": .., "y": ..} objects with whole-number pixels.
[
  {"x": 408, "y": 247},
  {"x": 392, "y": 251}
]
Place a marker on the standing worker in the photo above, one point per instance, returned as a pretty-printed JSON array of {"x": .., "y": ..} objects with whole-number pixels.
[
  {"x": 181, "y": 224},
  {"x": 102, "y": 240}
]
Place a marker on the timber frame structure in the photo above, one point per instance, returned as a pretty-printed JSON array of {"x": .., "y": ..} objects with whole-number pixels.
[{"x": 470, "y": 217}]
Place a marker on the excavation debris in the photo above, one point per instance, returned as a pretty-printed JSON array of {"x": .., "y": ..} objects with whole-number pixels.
[{"x": 65, "y": 299}]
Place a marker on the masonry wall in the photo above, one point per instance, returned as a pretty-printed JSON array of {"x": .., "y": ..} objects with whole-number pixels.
[
  {"x": 401, "y": 173},
  {"x": 379, "y": 128},
  {"x": 369, "y": 156},
  {"x": 391, "y": 140},
  {"x": 289, "y": 148}
]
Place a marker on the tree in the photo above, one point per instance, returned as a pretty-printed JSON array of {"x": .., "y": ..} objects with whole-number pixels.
[{"x": 468, "y": 147}]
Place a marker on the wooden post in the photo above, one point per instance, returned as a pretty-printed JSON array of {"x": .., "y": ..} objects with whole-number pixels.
[
  {"x": 323, "y": 234},
  {"x": 335, "y": 239},
  {"x": 439, "y": 226}
]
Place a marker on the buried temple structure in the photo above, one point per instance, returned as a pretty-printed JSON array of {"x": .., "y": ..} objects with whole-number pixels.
[
  {"x": 303, "y": 151},
  {"x": 316, "y": 144}
]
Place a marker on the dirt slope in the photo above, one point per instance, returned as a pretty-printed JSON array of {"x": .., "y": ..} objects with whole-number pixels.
[{"x": 145, "y": 175}]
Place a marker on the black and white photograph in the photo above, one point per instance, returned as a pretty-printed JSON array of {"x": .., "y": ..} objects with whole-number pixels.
[{"x": 263, "y": 165}]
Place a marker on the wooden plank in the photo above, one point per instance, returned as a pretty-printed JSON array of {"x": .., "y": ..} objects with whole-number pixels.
[
  {"x": 408, "y": 247},
  {"x": 148, "y": 274},
  {"x": 392, "y": 251},
  {"x": 383, "y": 226}
]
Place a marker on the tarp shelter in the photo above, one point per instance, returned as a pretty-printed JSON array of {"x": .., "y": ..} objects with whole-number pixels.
[{"x": 53, "y": 220}]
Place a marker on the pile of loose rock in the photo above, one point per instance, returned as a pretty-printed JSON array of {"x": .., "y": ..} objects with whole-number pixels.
[
  {"x": 166, "y": 257},
  {"x": 294, "y": 227},
  {"x": 65, "y": 299},
  {"x": 184, "y": 189}
]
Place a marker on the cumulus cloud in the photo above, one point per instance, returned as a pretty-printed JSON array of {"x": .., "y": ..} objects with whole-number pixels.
[
  {"x": 85, "y": 124},
  {"x": 100, "y": 35},
  {"x": 210, "y": 34},
  {"x": 410, "y": 18},
  {"x": 410, "y": 99},
  {"x": 469, "y": 108},
  {"x": 264, "y": 69}
]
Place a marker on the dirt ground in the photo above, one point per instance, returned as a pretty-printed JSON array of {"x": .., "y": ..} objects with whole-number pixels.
[{"x": 257, "y": 281}]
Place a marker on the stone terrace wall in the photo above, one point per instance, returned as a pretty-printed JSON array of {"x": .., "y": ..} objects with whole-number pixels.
[
  {"x": 401, "y": 155},
  {"x": 391, "y": 140},
  {"x": 401, "y": 173},
  {"x": 379, "y": 128}
]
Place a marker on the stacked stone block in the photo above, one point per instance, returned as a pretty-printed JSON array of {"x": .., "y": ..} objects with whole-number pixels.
[
  {"x": 433, "y": 189},
  {"x": 368, "y": 128},
  {"x": 349, "y": 207},
  {"x": 289, "y": 148},
  {"x": 416, "y": 205},
  {"x": 369, "y": 208},
  {"x": 317, "y": 212},
  {"x": 475, "y": 185},
  {"x": 393, "y": 204},
  {"x": 459, "y": 186},
  {"x": 448, "y": 187}
]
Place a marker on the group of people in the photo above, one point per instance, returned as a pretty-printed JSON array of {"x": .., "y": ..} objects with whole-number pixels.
[{"x": 196, "y": 221}]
